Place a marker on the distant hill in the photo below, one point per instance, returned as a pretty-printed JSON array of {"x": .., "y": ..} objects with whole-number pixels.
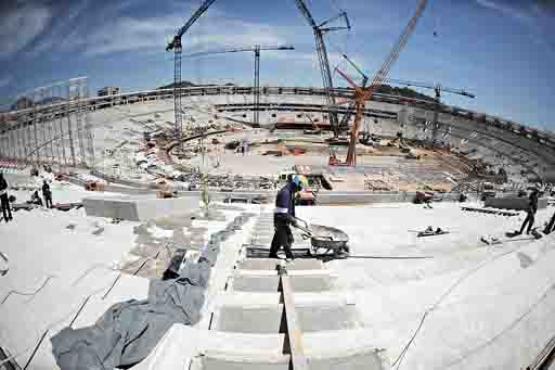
[
  {"x": 22, "y": 103},
  {"x": 182, "y": 84}
]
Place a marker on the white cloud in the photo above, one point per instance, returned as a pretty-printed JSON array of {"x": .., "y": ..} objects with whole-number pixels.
[
  {"x": 516, "y": 13},
  {"x": 123, "y": 34},
  {"x": 20, "y": 26}
]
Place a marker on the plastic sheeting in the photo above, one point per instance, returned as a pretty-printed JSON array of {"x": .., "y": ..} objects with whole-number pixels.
[{"x": 128, "y": 331}]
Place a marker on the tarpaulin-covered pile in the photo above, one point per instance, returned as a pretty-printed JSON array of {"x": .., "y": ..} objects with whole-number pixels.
[{"x": 128, "y": 331}]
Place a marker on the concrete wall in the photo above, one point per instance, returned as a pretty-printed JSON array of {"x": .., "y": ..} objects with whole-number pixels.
[
  {"x": 513, "y": 202},
  {"x": 138, "y": 209}
]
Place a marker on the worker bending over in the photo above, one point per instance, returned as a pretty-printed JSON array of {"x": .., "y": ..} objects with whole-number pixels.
[{"x": 284, "y": 216}]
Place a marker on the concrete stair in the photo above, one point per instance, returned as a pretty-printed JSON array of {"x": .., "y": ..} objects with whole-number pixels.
[{"x": 255, "y": 314}]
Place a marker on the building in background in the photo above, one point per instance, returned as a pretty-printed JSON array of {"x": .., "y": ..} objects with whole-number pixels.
[{"x": 108, "y": 90}]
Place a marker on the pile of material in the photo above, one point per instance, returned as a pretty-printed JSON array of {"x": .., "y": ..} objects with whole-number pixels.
[{"x": 128, "y": 331}]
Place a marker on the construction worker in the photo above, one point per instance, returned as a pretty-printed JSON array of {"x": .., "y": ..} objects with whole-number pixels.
[
  {"x": 530, "y": 212},
  {"x": 550, "y": 225},
  {"x": 284, "y": 216},
  {"x": 5, "y": 202},
  {"x": 35, "y": 198},
  {"x": 47, "y": 194}
]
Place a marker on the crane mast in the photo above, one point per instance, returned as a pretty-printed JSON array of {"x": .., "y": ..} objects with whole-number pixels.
[
  {"x": 319, "y": 30},
  {"x": 176, "y": 46}
]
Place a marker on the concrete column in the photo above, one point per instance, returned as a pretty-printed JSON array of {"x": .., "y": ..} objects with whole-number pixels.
[
  {"x": 20, "y": 146},
  {"x": 62, "y": 141},
  {"x": 3, "y": 146},
  {"x": 69, "y": 128},
  {"x": 36, "y": 135},
  {"x": 4, "y": 141},
  {"x": 12, "y": 143}
]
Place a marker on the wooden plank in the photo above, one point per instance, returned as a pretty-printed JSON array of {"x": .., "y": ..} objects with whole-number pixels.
[{"x": 294, "y": 334}]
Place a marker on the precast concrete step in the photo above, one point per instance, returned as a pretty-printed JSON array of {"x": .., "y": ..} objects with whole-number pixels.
[
  {"x": 271, "y": 264},
  {"x": 272, "y": 298},
  {"x": 226, "y": 361},
  {"x": 368, "y": 360},
  {"x": 270, "y": 283},
  {"x": 270, "y": 318}
]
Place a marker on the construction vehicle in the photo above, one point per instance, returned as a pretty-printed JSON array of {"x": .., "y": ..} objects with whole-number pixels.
[
  {"x": 361, "y": 95},
  {"x": 175, "y": 45},
  {"x": 319, "y": 31},
  {"x": 256, "y": 50}
]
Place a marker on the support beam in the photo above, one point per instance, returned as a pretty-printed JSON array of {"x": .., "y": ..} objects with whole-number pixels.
[
  {"x": 294, "y": 334},
  {"x": 256, "y": 85}
]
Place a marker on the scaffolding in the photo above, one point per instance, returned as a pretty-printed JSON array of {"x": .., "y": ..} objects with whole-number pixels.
[{"x": 50, "y": 125}]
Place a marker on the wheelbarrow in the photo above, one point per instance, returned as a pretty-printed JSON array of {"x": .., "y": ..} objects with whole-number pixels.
[{"x": 324, "y": 240}]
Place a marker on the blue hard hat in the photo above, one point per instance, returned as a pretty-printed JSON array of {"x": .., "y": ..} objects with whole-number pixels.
[{"x": 300, "y": 181}]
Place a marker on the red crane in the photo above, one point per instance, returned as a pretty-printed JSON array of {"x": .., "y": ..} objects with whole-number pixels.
[{"x": 361, "y": 94}]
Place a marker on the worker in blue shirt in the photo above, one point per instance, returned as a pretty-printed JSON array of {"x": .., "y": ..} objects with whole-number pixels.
[{"x": 284, "y": 216}]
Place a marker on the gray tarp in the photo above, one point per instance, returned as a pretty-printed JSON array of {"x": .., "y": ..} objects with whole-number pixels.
[{"x": 128, "y": 331}]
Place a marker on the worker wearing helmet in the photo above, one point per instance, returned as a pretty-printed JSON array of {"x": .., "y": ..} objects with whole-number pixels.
[{"x": 284, "y": 215}]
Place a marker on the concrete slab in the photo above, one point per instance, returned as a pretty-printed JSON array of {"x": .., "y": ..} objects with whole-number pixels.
[
  {"x": 268, "y": 318},
  {"x": 212, "y": 361},
  {"x": 138, "y": 208},
  {"x": 513, "y": 202},
  {"x": 271, "y": 283},
  {"x": 262, "y": 319},
  {"x": 359, "y": 361},
  {"x": 270, "y": 264}
]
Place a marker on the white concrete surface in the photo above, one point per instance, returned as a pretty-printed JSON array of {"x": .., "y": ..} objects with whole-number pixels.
[{"x": 139, "y": 208}]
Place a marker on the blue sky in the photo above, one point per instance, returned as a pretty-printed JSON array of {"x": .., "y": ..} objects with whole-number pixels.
[{"x": 501, "y": 50}]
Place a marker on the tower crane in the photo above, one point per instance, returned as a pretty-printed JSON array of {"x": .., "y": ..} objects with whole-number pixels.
[
  {"x": 361, "y": 95},
  {"x": 437, "y": 90},
  {"x": 256, "y": 49},
  {"x": 319, "y": 31},
  {"x": 175, "y": 45}
]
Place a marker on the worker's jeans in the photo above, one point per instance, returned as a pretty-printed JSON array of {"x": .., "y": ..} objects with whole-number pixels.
[
  {"x": 47, "y": 200},
  {"x": 550, "y": 226},
  {"x": 6, "y": 211},
  {"x": 282, "y": 236},
  {"x": 528, "y": 221}
]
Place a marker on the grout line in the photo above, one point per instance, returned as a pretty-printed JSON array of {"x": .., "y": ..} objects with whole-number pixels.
[
  {"x": 111, "y": 286},
  {"x": 79, "y": 310},
  {"x": 36, "y": 349}
]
